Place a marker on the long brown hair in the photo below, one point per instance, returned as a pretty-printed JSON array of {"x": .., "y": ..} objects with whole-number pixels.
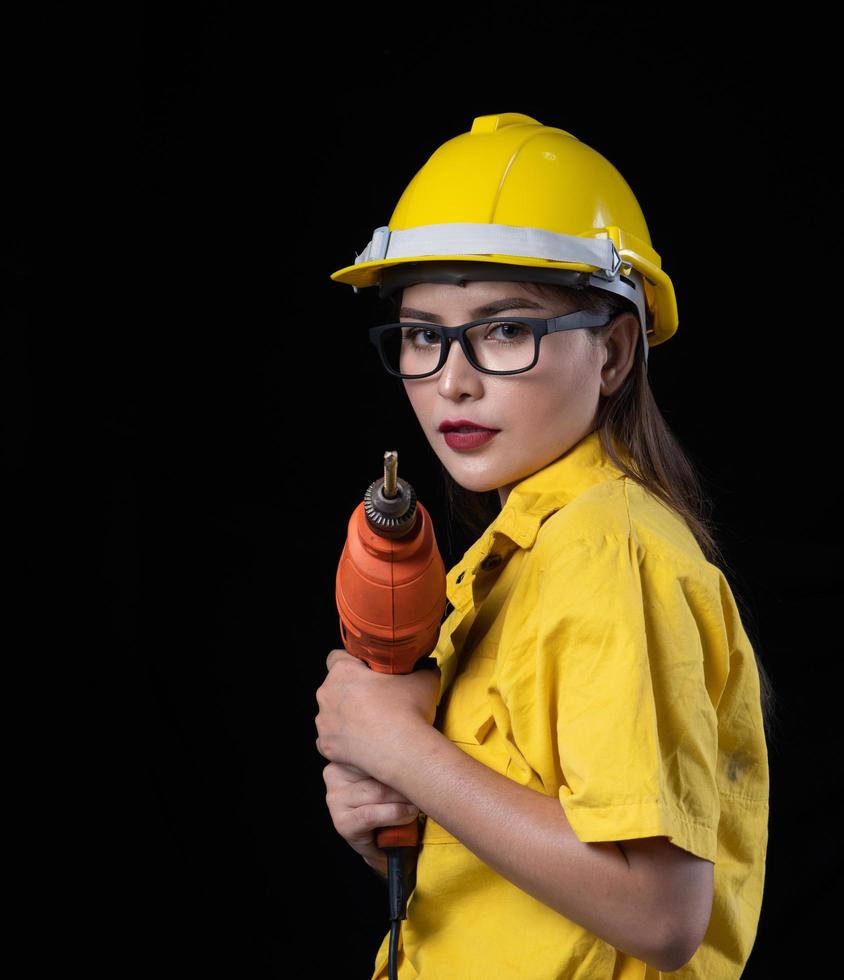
[{"x": 651, "y": 455}]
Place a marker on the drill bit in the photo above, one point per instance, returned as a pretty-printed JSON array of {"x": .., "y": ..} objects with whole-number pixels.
[{"x": 391, "y": 463}]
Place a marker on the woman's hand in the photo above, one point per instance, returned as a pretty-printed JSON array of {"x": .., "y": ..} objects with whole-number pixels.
[
  {"x": 360, "y": 805},
  {"x": 365, "y": 717}
]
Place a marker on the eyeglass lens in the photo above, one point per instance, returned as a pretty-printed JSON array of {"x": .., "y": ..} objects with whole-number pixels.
[{"x": 413, "y": 349}]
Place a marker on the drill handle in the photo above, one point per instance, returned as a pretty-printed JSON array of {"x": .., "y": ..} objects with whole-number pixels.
[{"x": 405, "y": 835}]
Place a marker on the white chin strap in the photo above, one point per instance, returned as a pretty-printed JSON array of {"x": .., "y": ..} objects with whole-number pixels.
[{"x": 471, "y": 238}]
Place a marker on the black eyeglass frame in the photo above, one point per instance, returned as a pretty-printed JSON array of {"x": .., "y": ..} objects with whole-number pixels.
[{"x": 538, "y": 326}]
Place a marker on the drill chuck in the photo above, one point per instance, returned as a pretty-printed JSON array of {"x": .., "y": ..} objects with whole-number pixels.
[
  {"x": 390, "y": 502},
  {"x": 391, "y": 517}
]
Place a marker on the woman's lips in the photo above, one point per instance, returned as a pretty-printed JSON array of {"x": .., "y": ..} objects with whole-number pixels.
[{"x": 468, "y": 440}]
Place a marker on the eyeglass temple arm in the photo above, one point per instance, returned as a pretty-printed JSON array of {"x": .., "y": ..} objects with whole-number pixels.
[{"x": 584, "y": 319}]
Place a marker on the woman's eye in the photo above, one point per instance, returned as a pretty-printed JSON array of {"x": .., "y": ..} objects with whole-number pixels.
[
  {"x": 420, "y": 336},
  {"x": 508, "y": 331}
]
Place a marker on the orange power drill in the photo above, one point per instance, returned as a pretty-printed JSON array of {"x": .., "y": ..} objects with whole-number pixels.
[{"x": 391, "y": 599}]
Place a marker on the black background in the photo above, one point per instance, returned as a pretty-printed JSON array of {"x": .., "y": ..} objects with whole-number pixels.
[{"x": 194, "y": 411}]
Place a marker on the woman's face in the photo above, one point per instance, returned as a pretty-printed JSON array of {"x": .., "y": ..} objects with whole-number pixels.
[{"x": 539, "y": 414}]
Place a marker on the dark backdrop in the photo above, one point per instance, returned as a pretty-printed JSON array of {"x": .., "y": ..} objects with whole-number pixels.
[{"x": 195, "y": 411}]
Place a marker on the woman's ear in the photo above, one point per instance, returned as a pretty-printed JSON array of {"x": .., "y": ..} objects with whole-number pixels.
[{"x": 620, "y": 344}]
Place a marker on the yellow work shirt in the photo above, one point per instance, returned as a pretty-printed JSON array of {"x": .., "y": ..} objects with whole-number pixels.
[{"x": 593, "y": 654}]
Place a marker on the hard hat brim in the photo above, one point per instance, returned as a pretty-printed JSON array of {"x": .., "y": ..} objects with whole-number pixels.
[{"x": 366, "y": 273}]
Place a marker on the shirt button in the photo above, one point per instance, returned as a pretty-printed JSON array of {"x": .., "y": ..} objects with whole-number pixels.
[
  {"x": 490, "y": 561},
  {"x": 460, "y": 576}
]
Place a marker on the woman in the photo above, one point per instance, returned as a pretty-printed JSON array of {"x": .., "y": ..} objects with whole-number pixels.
[{"x": 589, "y": 758}]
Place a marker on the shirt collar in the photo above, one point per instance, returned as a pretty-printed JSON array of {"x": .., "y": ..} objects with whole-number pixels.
[
  {"x": 534, "y": 499},
  {"x": 537, "y": 496}
]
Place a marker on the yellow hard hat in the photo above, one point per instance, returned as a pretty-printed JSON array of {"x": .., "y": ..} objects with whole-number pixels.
[{"x": 513, "y": 199}]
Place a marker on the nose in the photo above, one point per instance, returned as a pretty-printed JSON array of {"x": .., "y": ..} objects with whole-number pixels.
[{"x": 457, "y": 376}]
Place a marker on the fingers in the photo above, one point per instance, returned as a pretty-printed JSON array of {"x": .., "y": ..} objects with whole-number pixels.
[
  {"x": 336, "y": 655},
  {"x": 340, "y": 769},
  {"x": 353, "y": 788},
  {"x": 358, "y": 822},
  {"x": 363, "y": 820},
  {"x": 360, "y": 806}
]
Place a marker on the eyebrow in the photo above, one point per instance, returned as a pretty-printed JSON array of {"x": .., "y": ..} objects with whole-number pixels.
[{"x": 490, "y": 309}]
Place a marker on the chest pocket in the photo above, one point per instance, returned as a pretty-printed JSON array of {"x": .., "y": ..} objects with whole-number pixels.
[{"x": 465, "y": 716}]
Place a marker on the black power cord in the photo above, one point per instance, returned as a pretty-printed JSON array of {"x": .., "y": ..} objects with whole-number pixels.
[{"x": 401, "y": 880}]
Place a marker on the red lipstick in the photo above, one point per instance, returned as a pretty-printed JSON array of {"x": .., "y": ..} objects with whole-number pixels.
[{"x": 474, "y": 435}]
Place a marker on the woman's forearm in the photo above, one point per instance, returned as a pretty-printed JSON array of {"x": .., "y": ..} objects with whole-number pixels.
[{"x": 525, "y": 836}]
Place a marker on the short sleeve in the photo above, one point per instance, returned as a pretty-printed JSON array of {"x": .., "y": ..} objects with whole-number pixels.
[{"x": 608, "y": 697}]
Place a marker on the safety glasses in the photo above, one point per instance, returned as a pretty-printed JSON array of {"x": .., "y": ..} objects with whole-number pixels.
[{"x": 496, "y": 345}]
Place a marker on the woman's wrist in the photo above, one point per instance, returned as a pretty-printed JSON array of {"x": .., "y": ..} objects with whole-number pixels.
[{"x": 409, "y": 748}]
